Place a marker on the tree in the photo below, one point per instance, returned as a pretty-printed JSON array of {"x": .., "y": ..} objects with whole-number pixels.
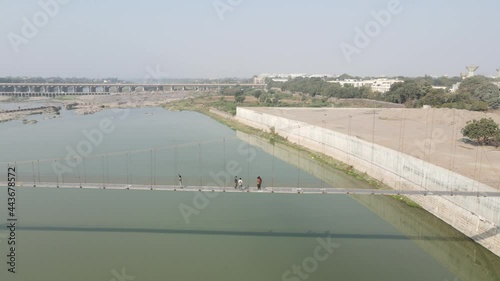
[
  {"x": 469, "y": 85},
  {"x": 483, "y": 131},
  {"x": 481, "y": 88},
  {"x": 239, "y": 98},
  {"x": 462, "y": 100},
  {"x": 232, "y": 91},
  {"x": 435, "y": 98},
  {"x": 407, "y": 91},
  {"x": 345, "y": 76},
  {"x": 497, "y": 140},
  {"x": 488, "y": 93},
  {"x": 256, "y": 93}
]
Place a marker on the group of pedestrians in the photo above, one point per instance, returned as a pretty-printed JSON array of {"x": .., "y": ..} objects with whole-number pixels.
[{"x": 238, "y": 183}]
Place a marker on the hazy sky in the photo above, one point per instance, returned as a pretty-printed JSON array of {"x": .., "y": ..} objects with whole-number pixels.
[{"x": 188, "y": 38}]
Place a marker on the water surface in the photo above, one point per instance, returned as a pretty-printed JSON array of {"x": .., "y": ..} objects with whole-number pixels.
[{"x": 93, "y": 234}]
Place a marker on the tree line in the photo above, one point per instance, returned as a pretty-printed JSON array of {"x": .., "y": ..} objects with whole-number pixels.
[{"x": 475, "y": 93}]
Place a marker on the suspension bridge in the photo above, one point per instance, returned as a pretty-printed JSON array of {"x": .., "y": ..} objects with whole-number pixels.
[
  {"x": 157, "y": 169},
  {"x": 264, "y": 190}
]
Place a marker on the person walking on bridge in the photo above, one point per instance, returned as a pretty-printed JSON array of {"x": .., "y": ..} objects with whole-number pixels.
[
  {"x": 240, "y": 184},
  {"x": 259, "y": 183},
  {"x": 180, "y": 180},
  {"x": 235, "y": 182}
]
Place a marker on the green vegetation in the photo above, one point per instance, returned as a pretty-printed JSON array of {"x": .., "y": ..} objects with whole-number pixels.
[
  {"x": 66, "y": 98},
  {"x": 319, "y": 87},
  {"x": 485, "y": 131},
  {"x": 482, "y": 89},
  {"x": 476, "y": 93},
  {"x": 407, "y": 201}
]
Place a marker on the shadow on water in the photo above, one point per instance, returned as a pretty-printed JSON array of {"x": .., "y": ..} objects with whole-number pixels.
[
  {"x": 490, "y": 233},
  {"x": 269, "y": 233},
  {"x": 460, "y": 254}
]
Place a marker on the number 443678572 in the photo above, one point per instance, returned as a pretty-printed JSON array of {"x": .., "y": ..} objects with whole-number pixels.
[{"x": 11, "y": 191}]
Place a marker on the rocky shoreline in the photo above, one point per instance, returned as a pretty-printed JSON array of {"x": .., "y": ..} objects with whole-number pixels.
[{"x": 92, "y": 104}]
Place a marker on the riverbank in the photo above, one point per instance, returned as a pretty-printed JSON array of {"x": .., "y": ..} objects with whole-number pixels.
[
  {"x": 23, "y": 114},
  {"x": 92, "y": 104},
  {"x": 230, "y": 121}
]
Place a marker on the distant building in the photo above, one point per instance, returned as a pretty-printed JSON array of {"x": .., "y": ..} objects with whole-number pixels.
[
  {"x": 287, "y": 77},
  {"x": 382, "y": 85},
  {"x": 455, "y": 87},
  {"x": 259, "y": 80},
  {"x": 280, "y": 79}
]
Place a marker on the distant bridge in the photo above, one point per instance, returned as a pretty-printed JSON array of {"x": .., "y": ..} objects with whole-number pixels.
[
  {"x": 265, "y": 190},
  {"x": 78, "y": 89}
]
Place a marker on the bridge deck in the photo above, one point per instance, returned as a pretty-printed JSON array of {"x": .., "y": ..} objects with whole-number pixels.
[{"x": 266, "y": 190}]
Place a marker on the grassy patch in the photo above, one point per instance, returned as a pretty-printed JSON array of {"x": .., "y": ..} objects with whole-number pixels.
[
  {"x": 406, "y": 201},
  {"x": 65, "y": 98}
]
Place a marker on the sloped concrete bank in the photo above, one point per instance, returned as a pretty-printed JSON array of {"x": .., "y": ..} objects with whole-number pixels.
[{"x": 476, "y": 217}]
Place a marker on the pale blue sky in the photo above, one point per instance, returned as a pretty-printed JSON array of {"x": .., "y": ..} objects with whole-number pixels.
[{"x": 121, "y": 38}]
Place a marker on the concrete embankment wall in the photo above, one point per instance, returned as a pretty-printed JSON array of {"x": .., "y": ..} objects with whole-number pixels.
[
  {"x": 468, "y": 261},
  {"x": 476, "y": 217}
]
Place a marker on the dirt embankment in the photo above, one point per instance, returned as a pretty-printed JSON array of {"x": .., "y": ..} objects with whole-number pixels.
[{"x": 433, "y": 135}]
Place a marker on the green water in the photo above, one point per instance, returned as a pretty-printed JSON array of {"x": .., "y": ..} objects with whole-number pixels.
[{"x": 95, "y": 234}]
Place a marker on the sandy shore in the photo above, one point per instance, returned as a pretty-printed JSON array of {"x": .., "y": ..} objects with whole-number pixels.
[{"x": 93, "y": 104}]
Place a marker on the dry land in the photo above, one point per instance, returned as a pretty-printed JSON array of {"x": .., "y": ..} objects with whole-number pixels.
[
  {"x": 92, "y": 104},
  {"x": 429, "y": 134}
]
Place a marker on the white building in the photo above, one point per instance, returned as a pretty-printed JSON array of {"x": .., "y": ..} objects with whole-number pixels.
[
  {"x": 283, "y": 77},
  {"x": 259, "y": 80},
  {"x": 455, "y": 87},
  {"x": 382, "y": 85}
]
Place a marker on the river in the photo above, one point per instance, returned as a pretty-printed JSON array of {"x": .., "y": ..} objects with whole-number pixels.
[{"x": 152, "y": 235}]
